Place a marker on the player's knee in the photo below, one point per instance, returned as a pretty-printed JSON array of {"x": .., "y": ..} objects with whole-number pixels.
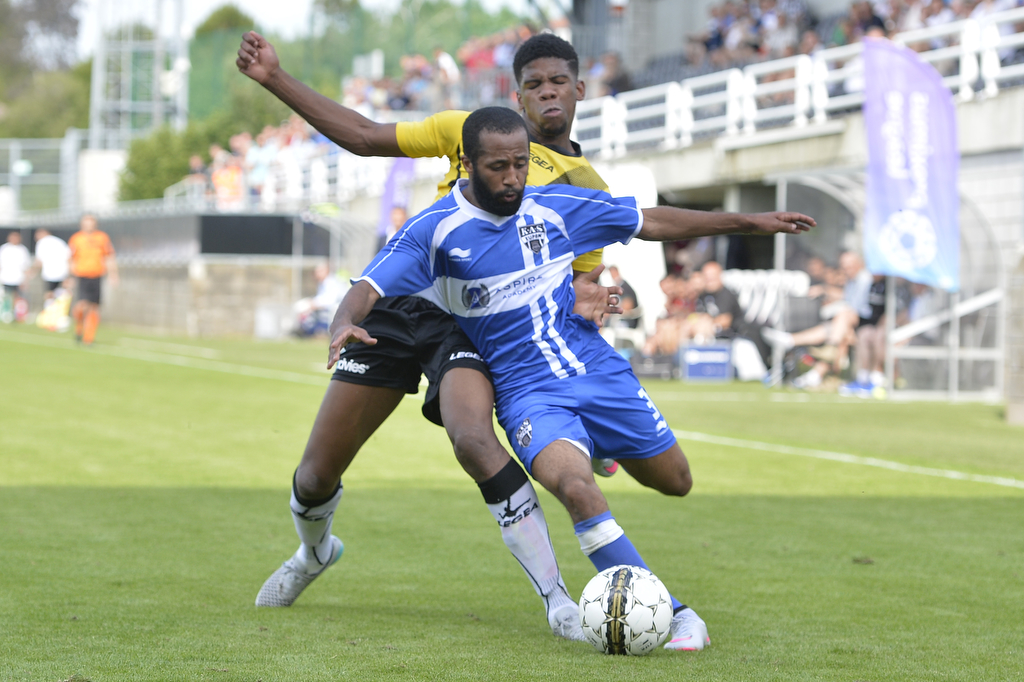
[
  {"x": 577, "y": 492},
  {"x": 679, "y": 484},
  {"x": 313, "y": 485},
  {"x": 675, "y": 483},
  {"x": 477, "y": 450}
]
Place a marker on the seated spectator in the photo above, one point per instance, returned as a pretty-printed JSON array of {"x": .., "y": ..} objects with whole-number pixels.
[
  {"x": 680, "y": 303},
  {"x": 838, "y": 333},
  {"x": 870, "y": 355},
  {"x": 726, "y": 314},
  {"x": 314, "y": 314},
  {"x": 613, "y": 78}
]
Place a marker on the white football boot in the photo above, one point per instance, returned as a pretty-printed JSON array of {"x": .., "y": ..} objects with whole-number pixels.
[
  {"x": 687, "y": 632},
  {"x": 285, "y": 585},
  {"x": 565, "y": 623}
]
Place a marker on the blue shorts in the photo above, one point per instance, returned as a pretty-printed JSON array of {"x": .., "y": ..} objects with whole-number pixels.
[{"x": 606, "y": 411}]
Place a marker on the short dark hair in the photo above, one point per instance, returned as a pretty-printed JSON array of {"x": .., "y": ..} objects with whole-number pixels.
[
  {"x": 545, "y": 45},
  {"x": 494, "y": 119}
]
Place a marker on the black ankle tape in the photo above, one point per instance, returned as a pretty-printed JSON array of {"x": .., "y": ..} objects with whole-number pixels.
[
  {"x": 503, "y": 484},
  {"x": 306, "y": 502},
  {"x": 681, "y": 607}
]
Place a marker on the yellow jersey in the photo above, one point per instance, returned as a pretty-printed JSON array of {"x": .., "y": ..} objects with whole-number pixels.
[{"x": 441, "y": 135}]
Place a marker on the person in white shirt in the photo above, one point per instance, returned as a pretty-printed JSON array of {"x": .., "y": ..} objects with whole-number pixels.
[
  {"x": 15, "y": 260},
  {"x": 52, "y": 256}
]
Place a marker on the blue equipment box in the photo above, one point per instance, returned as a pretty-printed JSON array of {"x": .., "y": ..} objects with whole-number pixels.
[{"x": 706, "y": 363}]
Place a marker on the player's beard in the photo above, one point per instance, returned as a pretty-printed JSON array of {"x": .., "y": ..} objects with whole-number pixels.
[{"x": 489, "y": 200}]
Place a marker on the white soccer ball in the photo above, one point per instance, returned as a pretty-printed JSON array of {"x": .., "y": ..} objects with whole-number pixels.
[{"x": 625, "y": 610}]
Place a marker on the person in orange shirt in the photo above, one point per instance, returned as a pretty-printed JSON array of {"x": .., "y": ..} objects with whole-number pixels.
[{"x": 92, "y": 257}]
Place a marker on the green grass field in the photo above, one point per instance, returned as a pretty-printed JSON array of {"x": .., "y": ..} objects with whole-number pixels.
[{"x": 143, "y": 501}]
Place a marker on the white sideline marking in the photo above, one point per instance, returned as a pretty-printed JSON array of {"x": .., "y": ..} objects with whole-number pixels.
[
  {"x": 167, "y": 359},
  {"x": 846, "y": 458},
  {"x": 294, "y": 377},
  {"x": 170, "y": 348}
]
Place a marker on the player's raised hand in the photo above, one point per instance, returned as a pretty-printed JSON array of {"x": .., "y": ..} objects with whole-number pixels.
[
  {"x": 781, "y": 221},
  {"x": 256, "y": 57},
  {"x": 343, "y": 336},
  {"x": 594, "y": 301}
]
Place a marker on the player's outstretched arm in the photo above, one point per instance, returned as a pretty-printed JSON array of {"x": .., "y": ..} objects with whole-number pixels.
[
  {"x": 350, "y": 130},
  {"x": 666, "y": 223},
  {"x": 352, "y": 310},
  {"x": 594, "y": 301}
]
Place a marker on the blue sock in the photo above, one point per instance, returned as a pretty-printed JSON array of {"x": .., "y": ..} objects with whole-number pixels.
[{"x": 617, "y": 552}]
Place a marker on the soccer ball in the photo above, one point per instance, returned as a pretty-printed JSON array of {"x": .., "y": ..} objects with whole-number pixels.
[{"x": 625, "y": 610}]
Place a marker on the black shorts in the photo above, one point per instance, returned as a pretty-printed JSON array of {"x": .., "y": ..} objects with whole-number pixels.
[
  {"x": 414, "y": 337},
  {"x": 51, "y": 286},
  {"x": 89, "y": 289},
  {"x": 12, "y": 290}
]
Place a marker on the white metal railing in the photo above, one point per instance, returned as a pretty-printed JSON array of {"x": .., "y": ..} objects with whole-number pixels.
[{"x": 794, "y": 91}]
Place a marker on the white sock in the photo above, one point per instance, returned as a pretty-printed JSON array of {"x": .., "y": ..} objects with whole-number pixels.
[
  {"x": 877, "y": 378},
  {"x": 863, "y": 376},
  {"x": 514, "y": 504},
  {"x": 313, "y": 524}
]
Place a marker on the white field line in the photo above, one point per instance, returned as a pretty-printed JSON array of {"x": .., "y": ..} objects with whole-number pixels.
[
  {"x": 171, "y": 348},
  {"x": 846, "y": 458},
  {"x": 167, "y": 359},
  {"x": 294, "y": 377}
]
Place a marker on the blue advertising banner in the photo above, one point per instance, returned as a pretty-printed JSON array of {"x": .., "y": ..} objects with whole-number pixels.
[{"x": 911, "y": 218}]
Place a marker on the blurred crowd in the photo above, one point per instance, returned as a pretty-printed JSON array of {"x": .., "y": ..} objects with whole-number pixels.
[
  {"x": 480, "y": 72},
  {"x": 836, "y": 338},
  {"x": 742, "y": 31},
  {"x": 235, "y": 176}
]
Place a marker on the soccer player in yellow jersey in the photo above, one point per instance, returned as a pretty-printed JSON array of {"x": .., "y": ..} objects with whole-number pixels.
[{"x": 414, "y": 336}]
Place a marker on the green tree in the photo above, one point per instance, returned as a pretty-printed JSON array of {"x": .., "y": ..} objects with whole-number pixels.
[
  {"x": 34, "y": 35},
  {"x": 56, "y": 101},
  {"x": 225, "y": 18}
]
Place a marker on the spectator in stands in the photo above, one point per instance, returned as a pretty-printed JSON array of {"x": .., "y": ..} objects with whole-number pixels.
[
  {"x": 838, "y": 333},
  {"x": 448, "y": 80},
  {"x": 399, "y": 215},
  {"x": 627, "y": 301},
  {"x": 228, "y": 184},
  {"x": 613, "y": 78},
  {"x": 314, "y": 314},
  {"x": 781, "y": 40},
  {"x": 810, "y": 43},
  {"x": 727, "y": 315},
  {"x": 680, "y": 302},
  {"x": 816, "y": 271},
  {"x": 197, "y": 171},
  {"x": 871, "y": 337}
]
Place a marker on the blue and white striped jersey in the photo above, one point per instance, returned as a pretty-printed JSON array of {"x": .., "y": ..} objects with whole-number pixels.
[{"x": 508, "y": 280}]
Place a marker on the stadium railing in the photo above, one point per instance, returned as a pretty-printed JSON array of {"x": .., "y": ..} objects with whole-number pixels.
[{"x": 794, "y": 93}]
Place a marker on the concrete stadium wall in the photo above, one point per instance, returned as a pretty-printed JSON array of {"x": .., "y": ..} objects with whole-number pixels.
[{"x": 211, "y": 296}]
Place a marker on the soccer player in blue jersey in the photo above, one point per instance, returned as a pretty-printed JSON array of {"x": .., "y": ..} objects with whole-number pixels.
[
  {"x": 416, "y": 337},
  {"x": 497, "y": 255}
]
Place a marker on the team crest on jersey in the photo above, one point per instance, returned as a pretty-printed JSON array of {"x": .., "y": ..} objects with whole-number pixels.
[
  {"x": 524, "y": 434},
  {"x": 533, "y": 236},
  {"x": 475, "y": 297}
]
